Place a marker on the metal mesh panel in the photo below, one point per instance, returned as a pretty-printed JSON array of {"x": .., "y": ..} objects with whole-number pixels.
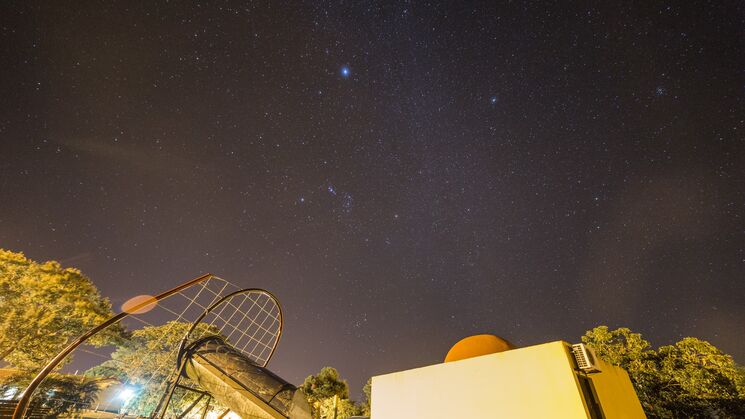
[{"x": 250, "y": 321}]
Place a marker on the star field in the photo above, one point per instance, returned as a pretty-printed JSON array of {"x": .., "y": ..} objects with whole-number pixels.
[{"x": 400, "y": 175}]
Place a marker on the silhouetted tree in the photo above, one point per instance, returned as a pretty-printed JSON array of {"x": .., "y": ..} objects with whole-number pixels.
[
  {"x": 61, "y": 394},
  {"x": 328, "y": 395}
]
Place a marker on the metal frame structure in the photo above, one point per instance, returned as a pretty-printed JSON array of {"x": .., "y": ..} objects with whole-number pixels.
[
  {"x": 24, "y": 402},
  {"x": 181, "y": 361}
]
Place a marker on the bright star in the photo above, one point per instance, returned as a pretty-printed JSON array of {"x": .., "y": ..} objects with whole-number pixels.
[
  {"x": 493, "y": 100},
  {"x": 345, "y": 72}
]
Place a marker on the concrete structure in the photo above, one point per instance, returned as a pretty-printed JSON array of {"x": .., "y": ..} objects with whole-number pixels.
[{"x": 541, "y": 381}]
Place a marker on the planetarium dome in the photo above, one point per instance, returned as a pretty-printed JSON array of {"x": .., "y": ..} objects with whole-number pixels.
[{"x": 477, "y": 345}]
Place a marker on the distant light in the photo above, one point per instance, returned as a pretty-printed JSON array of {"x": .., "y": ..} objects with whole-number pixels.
[
  {"x": 493, "y": 100},
  {"x": 345, "y": 72},
  {"x": 9, "y": 393}
]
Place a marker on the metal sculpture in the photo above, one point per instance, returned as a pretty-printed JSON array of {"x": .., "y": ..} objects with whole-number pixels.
[
  {"x": 247, "y": 323},
  {"x": 230, "y": 361}
]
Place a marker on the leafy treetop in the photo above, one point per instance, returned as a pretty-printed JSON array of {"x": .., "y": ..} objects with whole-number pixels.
[
  {"x": 43, "y": 306},
  {"x": 328, "y": 395},
  {"x": 691, "y": 378}
]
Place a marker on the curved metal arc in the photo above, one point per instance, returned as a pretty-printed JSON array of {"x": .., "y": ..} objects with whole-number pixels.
[
  {"x": 23, "y": 403},
  {"x": 217, "y": 303}
]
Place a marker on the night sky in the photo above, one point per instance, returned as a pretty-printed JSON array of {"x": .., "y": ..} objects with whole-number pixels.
[{"x": 400, "y": 175}]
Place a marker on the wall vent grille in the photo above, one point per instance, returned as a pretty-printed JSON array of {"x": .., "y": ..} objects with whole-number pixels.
[{"x": 585, "y": 358}]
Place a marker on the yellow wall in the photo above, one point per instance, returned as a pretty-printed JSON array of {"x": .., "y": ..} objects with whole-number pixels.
[
  {"x": 616, "y": 393},
  {"x": 533, "y": 382}
]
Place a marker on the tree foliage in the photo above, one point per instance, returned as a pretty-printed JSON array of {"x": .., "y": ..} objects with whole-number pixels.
[
  {"x": 366, "y": 404},
  {"x": 327, "y": 383},
  {"x": 328, "y": 395},
  {"x": 62, "y": 394},
  {"x": 42, "y": 307},
  {"x": 691, "y": 378}
]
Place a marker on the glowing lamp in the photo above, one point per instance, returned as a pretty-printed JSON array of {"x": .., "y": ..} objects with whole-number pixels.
[{"x": 126, "y": 394}]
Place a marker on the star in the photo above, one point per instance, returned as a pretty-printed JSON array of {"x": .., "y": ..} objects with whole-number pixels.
[
  {"x": 345, "y": 72},
  {"x": 493, "y": 100}
]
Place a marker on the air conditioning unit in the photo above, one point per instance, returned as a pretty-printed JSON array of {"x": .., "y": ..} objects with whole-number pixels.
[{"x": 585, "y": 357}]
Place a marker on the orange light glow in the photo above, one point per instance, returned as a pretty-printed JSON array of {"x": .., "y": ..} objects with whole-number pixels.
[{"x": 139, "y": 304}]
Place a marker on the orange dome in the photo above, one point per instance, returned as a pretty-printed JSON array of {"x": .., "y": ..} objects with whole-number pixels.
[{"x": 477, "y": 345}]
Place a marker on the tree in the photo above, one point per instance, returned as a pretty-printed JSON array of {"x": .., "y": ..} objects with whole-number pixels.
[
  {"x": 691, "y": 378},
  {"x": 147, "y": 361},
  {"x": 344, "y": 408},
  {"x": 42, "y": 307},
  {"x": 327, "y": 383},
  {"x": 366, "y": 405},
  {"x": 700, "y": 380},
  {"x": 62, "y": 393},
  {"x": 328, "y": 395}
]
